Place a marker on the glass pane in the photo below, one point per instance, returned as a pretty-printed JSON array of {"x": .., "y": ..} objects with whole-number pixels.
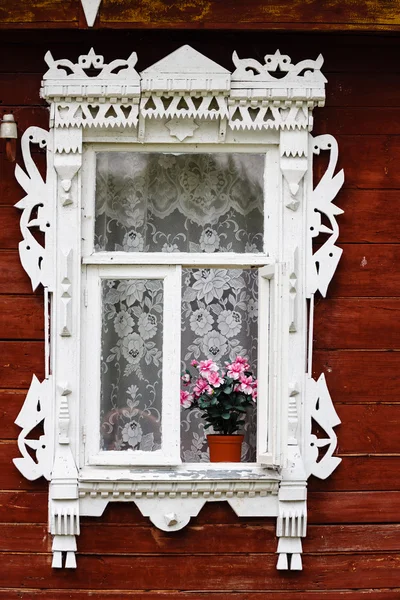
[
  {"x": 131, "y": 364},
  {"x": 153, "y": 202},
  {"x": 219, "y": 321}
]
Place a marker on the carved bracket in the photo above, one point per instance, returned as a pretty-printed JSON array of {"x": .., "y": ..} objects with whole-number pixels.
[
  {"x": 321, "y": 265},
  {"x": 322, "y": 412},
  {"x": 37, "y": 259},
  {"x": 35, "y": 410}
]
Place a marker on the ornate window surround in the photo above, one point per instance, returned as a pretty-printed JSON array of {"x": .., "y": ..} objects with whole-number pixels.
[{"x": 247, "y": 109}]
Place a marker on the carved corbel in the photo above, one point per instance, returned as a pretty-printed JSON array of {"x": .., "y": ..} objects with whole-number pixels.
[
  {"x": 293, "y": 161},
  {"x": 64, "y": 498},
  {"x": 67, "y": 159},
  {"x": 291, "y": 523}
]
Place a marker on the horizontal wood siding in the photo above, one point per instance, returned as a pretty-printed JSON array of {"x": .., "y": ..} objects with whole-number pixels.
[
  {"x": 372, "y": 15},
  {"x": 352, "y": 548}
]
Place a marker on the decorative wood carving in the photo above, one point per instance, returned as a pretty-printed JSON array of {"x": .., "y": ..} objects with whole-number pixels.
[
  {"x": 35, "y": 410},
  {"x": 90, "y": 8},
  {"x": 184, "y": 98},
  {"x": 36, "y": 259}
]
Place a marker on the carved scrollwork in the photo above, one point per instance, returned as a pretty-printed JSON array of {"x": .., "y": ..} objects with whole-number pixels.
[
  {"x": 323, "y": 413},
  {"x": 322, "y": 264},
  {"x": 35, "y": 410},
  {"x": 35, "y": 258},
  {"x": 252, "y": 70},
  {"x": 66, "y": 69}
]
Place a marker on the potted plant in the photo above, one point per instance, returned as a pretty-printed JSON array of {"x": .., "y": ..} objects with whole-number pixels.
[{"x": 223, "y": 396}]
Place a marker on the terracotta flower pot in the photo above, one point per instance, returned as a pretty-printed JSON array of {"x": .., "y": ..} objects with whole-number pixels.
[{"x": 225, "y": 448}]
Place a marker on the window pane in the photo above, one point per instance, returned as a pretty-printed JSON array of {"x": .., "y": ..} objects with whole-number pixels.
[
  {"x": 219, "y": 321},
  {"x": 131, "y": 364},
  {"x": 153, "y": 202}
]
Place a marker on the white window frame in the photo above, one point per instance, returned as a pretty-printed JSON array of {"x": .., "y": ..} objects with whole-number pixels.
[{"x": 247, "y": 110}]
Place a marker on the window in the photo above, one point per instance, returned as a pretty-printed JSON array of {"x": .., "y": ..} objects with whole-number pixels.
[{"x": 178, "y": 214}]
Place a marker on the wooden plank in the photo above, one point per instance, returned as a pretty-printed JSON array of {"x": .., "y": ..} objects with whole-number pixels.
[
  {"x": 357, "y": 323},
  {"x": 353, "y": 507},
  {"x": 208, "y": 539},
  {"x": 24, "y": 507},
  {"x": 13, "y": 279},
  {"x": 367, "y": 270},
  {"x": 355, "y": 89},
  {"x": 21, "y": 318},
  {"x": 239, "y": 573},
  {"x": 366, "y": 217},
  {"x": 18, "y": 89},
  {"x": 173, "y": 13},
  {"x": 357, "y": 120},
  {"x": 378, "y": 167},
  {"x": 368, "y": 429},
  {"x": 361, "y": 473},
  {"x": 372, "y": 594},
  {"x": 11, "y": 402},
  {"x": 18, "y": 362},
  {"x": 10, "y": 234},
  {"x": 45, "y": 12},
  {"x": 359, "y": 376}
]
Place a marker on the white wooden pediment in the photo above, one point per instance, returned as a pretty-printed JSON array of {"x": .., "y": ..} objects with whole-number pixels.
[{"x": 184, "y": 101}]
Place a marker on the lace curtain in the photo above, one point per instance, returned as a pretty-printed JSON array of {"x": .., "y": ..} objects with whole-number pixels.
[
  {"x": 179, "y": 203},
  {"x": 168, "y": 203}
]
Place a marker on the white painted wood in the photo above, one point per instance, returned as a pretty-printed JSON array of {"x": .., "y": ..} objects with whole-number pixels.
[
  {"x": 183, "y": 103},
  {"x": 272, "y": 370},
  {"x": 90, "y": 8},
  {"x": 170, "y": 445}
]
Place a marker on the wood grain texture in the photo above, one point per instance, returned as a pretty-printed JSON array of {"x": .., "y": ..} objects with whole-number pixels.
[
  {"x": 56, "y": 594},
  {"x": 204, "y": 539},
  {"x": 369, "y": 376},
  {"x": 18, "y": 362},
  {"x": 233, "y": 572},
  {"x": 282, "y": 14},
  {"x": 353, "y": 507},
  {"x": 357, "y": 324},
  {"x": 21, "y": 317}
]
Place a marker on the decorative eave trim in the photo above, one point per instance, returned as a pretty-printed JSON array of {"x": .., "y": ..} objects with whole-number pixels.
[{"x": 184, "y": 85}]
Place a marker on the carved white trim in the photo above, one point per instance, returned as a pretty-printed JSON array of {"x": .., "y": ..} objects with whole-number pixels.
[
  {"x": 321, "y": 265},
  {"x": 35, "y": 258},
  {"x": 184, "y": 99},
  {"x": 35, "y": 410},
  {"x": 90, "y": 8}
]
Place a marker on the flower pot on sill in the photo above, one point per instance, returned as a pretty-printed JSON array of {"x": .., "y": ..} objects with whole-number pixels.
[{"x": 225, "y": 448}]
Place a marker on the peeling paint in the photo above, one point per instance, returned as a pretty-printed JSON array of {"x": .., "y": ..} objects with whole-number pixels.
[{"x": 364, "y": 262}]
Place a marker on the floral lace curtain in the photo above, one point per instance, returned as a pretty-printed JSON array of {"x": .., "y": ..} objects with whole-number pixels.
[
  {"x": 172, "y": 203},
  {"x": 179, "y": 203}
]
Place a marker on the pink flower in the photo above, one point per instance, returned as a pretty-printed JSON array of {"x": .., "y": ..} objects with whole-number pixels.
[
  {"x": 186, "y": 378},
  {"x": 214, "y": 379},
  {"x": 242, "y": 361},
  {"x": 194, "y": 363},
  {"x": 201, "y": 387},
  {"x": 234, "y": 370},
  {"x": 206, "y": 367},
  {"x": 254, "y": 394},
  {"x": 186, "y": 399},
  {"x": 246, "y": 385}
]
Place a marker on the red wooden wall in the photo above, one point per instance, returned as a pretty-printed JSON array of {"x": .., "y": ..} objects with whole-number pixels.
[{"x": 353, "y": 543}]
